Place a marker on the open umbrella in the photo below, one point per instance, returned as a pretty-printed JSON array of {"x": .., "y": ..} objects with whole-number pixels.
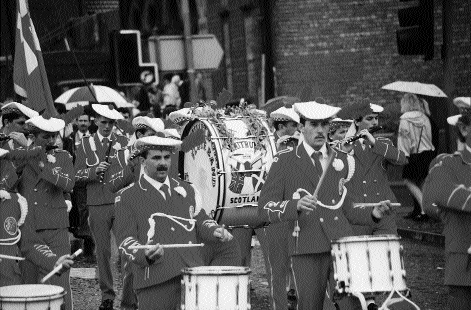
[
  {"x": 416, "y": 88},
  {"x": 101, "y": 94}
]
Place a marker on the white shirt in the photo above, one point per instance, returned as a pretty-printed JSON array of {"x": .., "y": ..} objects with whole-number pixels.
[
  {"x": 157, "y": 184},
  {"x": 323, "y": 159},
  {"x": 100, "y": 137}
]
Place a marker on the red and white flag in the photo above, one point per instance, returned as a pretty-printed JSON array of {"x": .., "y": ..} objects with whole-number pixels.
[{"x": 29, "y": 73}]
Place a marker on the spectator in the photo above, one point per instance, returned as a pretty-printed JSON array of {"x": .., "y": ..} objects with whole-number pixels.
[
  {"x": 171, "y": 94},
  {"x": 415, "y": 140},
  {"x": 200, "y": 88}
]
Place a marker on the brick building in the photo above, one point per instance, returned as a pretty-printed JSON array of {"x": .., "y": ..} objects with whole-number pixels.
[{"x": 339, "y": 50}]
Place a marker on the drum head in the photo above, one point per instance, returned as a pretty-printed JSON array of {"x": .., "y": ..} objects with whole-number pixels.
[
  {"x": 217, "y": 270},
  {"x": 201, "y": 165},
  {"x": 30, "y": 290}
]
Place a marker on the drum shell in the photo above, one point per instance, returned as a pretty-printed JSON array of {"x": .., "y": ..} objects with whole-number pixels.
[
  {"x": 228, "y": 181},
  {"x": 368, "y": 264},
  {"x": 31, "y": 297},
  {"x": 215, "y": 287}
]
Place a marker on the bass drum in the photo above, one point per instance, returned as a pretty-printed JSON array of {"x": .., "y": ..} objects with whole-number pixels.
[{"x": 229, "y": 179}]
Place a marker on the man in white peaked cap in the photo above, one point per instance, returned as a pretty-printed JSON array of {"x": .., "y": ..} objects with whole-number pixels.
[
  {"x": 91, "y": 164},
  {"x": 169, "y": 212},
  {"x": 447, "y": 196},
  {"x": 293, "y": 192},
  {"x": 43, "y": 182}
]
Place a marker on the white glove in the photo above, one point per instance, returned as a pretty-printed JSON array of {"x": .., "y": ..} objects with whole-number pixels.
[{"x": 69, "y": 205}]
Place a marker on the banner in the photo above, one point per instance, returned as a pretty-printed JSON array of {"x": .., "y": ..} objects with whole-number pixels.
[{"x": 29, "y": 74}]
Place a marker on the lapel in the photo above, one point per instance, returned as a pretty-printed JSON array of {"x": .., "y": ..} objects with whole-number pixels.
[
  {"x": 363, "y": 155},
  {"x": 305, "y": 164},
  {"x": 466, "y": 156}
]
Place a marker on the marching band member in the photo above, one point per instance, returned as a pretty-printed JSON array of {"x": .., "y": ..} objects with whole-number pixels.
[
  {"x": 169, "y": 213},
  {"x": 320, "y": 218},
  {"x": 43, "y": 182},
  {"x": 123, "y": 171},
  {"x": 370, "y": 182},
  {"x": 339, "y": 128},
  {"x": 18, "y": 231},
  {"x": 274, "y": 238},
  {"x": 14, "y": 116},
  {"x": 91, "y": 164},
  {"x": 447, "y": 194}
]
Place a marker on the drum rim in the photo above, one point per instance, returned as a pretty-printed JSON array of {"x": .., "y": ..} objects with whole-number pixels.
[
  {"x": 362, "y": 238},
  {"x": 58, "y": 292},
  {"x": 216, "y": 270}
]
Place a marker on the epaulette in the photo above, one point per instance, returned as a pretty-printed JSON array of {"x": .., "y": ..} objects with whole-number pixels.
[
  {"x": 383, "y": 139},
  {"x": 121, "y": 191},
  {"x": 186, "y": 181}
]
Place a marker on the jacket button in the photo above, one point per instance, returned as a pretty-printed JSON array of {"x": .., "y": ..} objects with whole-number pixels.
[
  {"x": 377, "y": 194},
  {"x": 35, "y": 189},
  {"x": 364, "y": 182},
  {"x": 374, "y": 181},
  {"x": 322, "y": 220},
  {"x": 365, "y": 195},
  {"x": 333, "y": 200},
  {"x": 35, "y": 203},
  {"x": 336, "y": 218},
  {"x": 172, "y": 229}
]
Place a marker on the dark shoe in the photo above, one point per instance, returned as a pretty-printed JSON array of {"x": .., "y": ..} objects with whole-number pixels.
[
  {"x": 106, "y": 304},
  {"x": 421, "y": 218}
]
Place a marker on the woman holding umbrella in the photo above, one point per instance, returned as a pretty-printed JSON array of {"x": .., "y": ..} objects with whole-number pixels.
[{"x": 415, "y": 140}]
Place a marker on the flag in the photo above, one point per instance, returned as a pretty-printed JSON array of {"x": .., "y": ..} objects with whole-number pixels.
[{"x": 29, "y": 73}]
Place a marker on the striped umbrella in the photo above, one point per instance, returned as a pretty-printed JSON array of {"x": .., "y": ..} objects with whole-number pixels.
[{"x": 92, "y": 94}]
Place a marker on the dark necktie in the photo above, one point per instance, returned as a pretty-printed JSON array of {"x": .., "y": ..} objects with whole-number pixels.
[
  {"x": 105, "y": 142},
  {"x": 317, "y": 162},
  {"x": 164, "y": 188}
]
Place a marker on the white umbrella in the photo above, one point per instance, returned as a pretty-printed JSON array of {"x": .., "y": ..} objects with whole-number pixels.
[
  {"x": 416, "y": 88},
  {"x": 101, "y": 94}
]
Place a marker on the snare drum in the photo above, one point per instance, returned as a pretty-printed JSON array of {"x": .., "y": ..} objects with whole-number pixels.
[
  {"x": 215, "y": 287},
  {"x": 368, "y": 264},
  {"x": 31, "y": 297},
  {"x": 229, "y": 180}
]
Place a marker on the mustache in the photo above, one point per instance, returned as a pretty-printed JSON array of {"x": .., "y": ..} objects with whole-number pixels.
[{"x": 161, "y": 168}]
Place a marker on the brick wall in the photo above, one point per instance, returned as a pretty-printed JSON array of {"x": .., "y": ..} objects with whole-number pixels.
[{"x": 342, "y": 49}]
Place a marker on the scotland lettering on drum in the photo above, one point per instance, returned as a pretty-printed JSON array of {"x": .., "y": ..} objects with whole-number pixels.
[
  {"x": 244, "y": 144},
  {"x": 244, "y": 199}
]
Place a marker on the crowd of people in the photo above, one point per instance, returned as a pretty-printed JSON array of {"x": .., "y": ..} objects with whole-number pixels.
[{"x": 95, "y": 180}]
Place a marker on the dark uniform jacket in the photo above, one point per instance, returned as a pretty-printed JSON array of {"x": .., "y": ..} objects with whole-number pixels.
[
  {"x": 44, "y": 181},
  {"x": 447, "y": 193},
  {"x": 136, "y": 223},
  {"x": 89, "y": 154},
  {"x": 292, "y": 169},
  {"x": 370, "y": 181}
]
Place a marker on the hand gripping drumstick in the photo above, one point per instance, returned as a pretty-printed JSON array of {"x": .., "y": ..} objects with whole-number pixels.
[
  {"x": 165, "y": 246},
  {"x": 56, "y": 270}
]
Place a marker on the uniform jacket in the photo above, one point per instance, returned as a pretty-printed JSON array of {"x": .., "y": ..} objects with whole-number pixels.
[
  {"x": 89, "y": 154},
  {"x": 370, "y": 182},
  {"x": 293, "y": 169},
  {"x": 136, "y": 223},
  {"x": 30, "y": 244},
  {"x": 122, "y": 175},
  {"x": 72, "y": 142},
  {"x": 447, "y": 193},
  {"x": 44, "y": 181}
]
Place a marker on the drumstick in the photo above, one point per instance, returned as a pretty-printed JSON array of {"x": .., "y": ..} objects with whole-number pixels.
[
  {"x": 321, "y": 179},
  {"x": 11, "y": 257},
  {"x": 165, "y": 246},
  {"x": 56, "y": 270},
  {"x": 374, "y": 204}
]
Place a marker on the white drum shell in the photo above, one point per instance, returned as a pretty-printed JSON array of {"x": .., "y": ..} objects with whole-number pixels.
[
  {"x": 31, "y": 297},
  {"x": 368, "y": 264},
  {"x": 221, "y": 287}
]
